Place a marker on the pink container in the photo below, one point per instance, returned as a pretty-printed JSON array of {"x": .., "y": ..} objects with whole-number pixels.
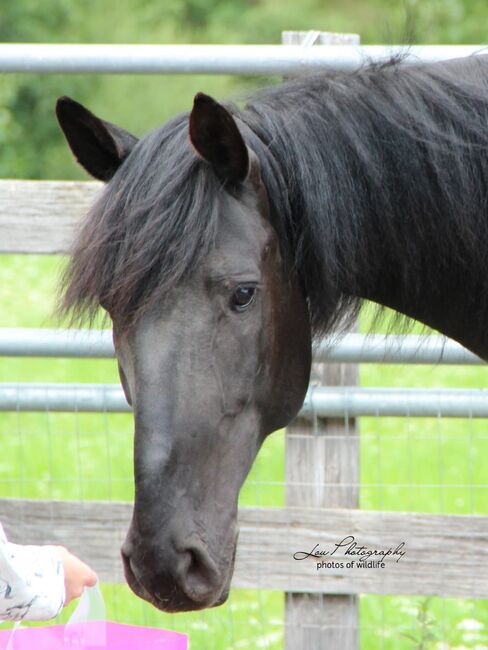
[{"x": 92, "y": 635}]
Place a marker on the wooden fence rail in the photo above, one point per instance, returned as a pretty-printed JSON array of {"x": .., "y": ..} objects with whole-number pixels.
[
  {"x": 40, "y": 216},
  {"x": 445, "y": 555}
]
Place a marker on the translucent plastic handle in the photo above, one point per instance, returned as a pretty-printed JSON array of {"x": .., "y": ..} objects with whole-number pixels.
[
  {"x": 86, "y": 626},
  {"x": 90, "y": 607},
  {"x": 10, "y": 643}
]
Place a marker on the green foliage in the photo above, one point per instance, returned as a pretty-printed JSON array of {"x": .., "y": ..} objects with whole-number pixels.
[
  {"x": 32, "y": 145},
  {"x": 28, "y": 129}
]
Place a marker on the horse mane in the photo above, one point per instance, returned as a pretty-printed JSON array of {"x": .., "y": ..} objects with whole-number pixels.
[
  {"x": 354, "y": 164},
  {"x": 381, "y": 171}
]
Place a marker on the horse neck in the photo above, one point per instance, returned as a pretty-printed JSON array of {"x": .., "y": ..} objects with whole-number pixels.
[
  {"x": 420, "y": 260},
  {"x": 387, "y": 211},
  {"x": 456, "y": 308}
]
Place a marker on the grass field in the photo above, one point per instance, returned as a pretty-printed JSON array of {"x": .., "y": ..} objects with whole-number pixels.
[{"x": 406, "y": 464}]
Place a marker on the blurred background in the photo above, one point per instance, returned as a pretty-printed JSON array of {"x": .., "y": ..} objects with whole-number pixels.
[
  {"x": 416, "y": 464},
  {"x": 31, "y": 143}
]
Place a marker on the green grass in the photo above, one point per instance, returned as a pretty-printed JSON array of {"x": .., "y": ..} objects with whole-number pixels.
[{"x": 424, "y": 465}]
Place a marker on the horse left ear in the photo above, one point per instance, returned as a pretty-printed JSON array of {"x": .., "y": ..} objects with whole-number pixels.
[
  {"x": 100, "y": 147},
  {"x": 215, "y": 136}
]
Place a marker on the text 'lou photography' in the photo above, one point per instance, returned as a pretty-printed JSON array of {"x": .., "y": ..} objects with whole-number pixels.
[{"x": 350, "y": 554}]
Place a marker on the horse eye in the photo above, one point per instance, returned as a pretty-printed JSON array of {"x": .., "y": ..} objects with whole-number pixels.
[{"x": 242, "y": 298}]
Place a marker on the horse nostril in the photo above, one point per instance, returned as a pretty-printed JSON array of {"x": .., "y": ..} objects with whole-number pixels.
[{"x": 200, "y": 576}]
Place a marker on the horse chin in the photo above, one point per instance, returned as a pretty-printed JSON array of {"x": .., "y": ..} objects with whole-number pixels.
[
  {"x": 186, "y": 604},
  {"x": 134, "y": 584},
  {"x": 180, "y": 603}
]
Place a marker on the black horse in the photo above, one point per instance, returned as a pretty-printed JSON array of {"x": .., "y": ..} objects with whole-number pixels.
[{"x": 227, "y": 239}]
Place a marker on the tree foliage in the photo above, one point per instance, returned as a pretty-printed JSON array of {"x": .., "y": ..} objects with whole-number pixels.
[{"x": 31, "y": 143}]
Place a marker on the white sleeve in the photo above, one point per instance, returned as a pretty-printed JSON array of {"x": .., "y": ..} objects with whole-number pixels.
[{"x": 31, "y": 582}]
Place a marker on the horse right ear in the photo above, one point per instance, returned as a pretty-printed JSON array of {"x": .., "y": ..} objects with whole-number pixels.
[{"x": 100, "y": 147}]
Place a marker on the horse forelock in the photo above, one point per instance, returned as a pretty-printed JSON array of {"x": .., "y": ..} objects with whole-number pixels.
[{"x": 152, "y": 224}]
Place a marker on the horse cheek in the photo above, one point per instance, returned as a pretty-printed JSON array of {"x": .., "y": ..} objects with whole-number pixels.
[{"x": 288, "y": 341}]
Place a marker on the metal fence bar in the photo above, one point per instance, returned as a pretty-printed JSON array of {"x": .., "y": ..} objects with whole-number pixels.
[
  {"x": 210, "y": 59},
  {"x": 376, "y": 348},
  {"x": 83, "y": 398},
  {"x": 337, "y": 402},
  {"x": 397, "y": 402},
  {"x": 352, "y": 348},
  {"x": 94, "y": 344}
]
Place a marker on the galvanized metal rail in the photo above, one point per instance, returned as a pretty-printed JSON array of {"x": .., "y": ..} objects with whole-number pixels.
[
  {"x": 320, "y": 402},
  {"x": 211, "y": 59},
  {"x": 90, "y": 344},
  {"x": 411, "y": 349},
  {"x": 352, "y": 348}
]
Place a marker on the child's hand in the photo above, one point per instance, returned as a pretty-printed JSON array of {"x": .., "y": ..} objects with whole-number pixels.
[{"x": 77, "y": 575}]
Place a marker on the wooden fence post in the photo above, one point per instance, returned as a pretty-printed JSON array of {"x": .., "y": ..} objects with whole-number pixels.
[{"x": 322, "y": 470}]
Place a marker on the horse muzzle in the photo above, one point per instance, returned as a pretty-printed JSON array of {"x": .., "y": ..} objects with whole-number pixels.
[{"x": 178, "y": 578}]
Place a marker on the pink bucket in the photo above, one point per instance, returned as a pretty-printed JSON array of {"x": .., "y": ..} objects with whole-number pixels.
[
  {"x": 87, "y": 629},
  {"x": 94, "y": 635}
]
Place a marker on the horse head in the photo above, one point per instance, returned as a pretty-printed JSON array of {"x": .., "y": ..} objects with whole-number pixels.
[{"x": 210, "y": 326}]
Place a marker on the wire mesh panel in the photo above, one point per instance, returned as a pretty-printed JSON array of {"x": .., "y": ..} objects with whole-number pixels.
[{"x": 433, "y": 465}]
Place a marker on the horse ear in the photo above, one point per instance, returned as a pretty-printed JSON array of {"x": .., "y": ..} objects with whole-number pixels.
[
  {"x": 215, "y": 136},
  {"x": 99, "y": 147}
]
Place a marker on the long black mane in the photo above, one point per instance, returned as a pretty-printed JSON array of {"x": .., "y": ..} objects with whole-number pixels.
[{"x": 367, "y": 172}]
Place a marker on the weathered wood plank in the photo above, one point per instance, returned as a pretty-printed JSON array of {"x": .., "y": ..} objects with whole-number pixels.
[
  {"x": 40, "y": 216},
  {"x": 446, "y": 555},
  {"x": 322, "y": 470}
]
